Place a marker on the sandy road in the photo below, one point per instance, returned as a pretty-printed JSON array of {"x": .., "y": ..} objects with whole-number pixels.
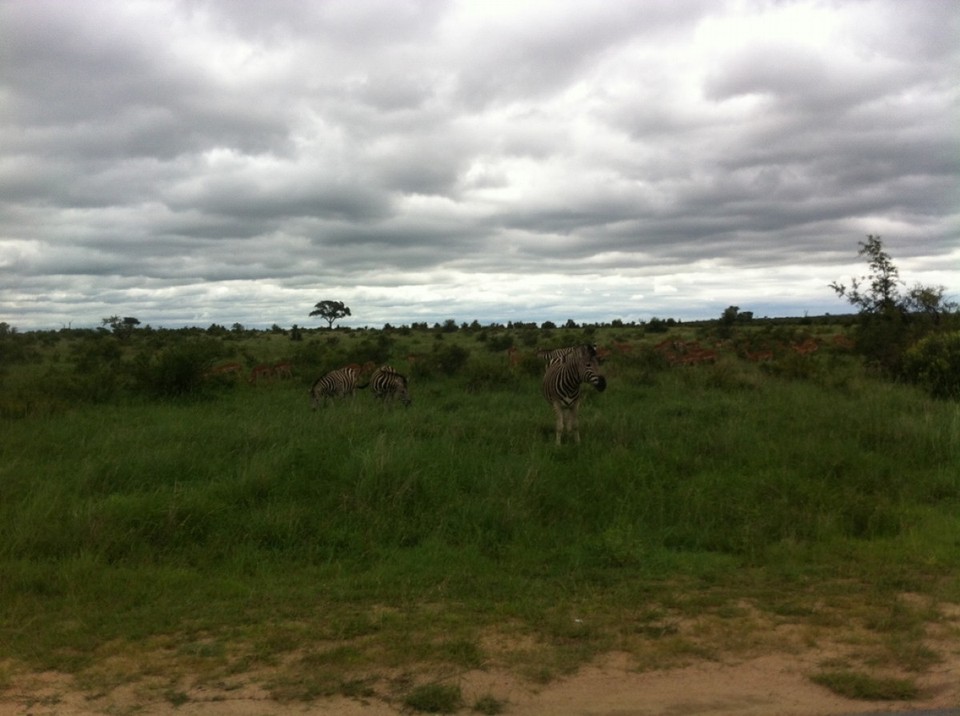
[{"x": 771, "y": 685}]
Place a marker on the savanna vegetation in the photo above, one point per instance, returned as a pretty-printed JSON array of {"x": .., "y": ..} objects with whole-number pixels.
[{"x": 164, "y": 517}]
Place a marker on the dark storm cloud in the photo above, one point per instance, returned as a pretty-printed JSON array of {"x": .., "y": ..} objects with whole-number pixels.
[
  {"x": 87, "y": 82},
  {"x": 537, "y": 160}
]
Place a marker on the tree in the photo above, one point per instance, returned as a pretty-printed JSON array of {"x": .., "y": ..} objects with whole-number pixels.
[
  {"x": 729, "y": 315},
  {"x": 891, "y": 320},
  {"x": 330, "y": 311},
  {"x": 929, "y": 301},
  {"x": 881, "y": 296},
  {"x": 121, "y": 327}
]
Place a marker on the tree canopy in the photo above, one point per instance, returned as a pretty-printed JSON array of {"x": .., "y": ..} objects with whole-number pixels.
[
  {"x": 121, "y": 327},
  {"x": 330, "y": 311},
  {"x": 892, "y": 317}
]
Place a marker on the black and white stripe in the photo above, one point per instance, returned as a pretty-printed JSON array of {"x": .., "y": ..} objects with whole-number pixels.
[
  {"x": 388, "y": 383},
  {"x": 335, "y": 384},
  {"x": 552, "y": 355},
  {"x": 561, "y": 388}
]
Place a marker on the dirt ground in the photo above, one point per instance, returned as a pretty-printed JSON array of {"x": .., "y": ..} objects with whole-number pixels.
[{"x": 770, "y": 685}]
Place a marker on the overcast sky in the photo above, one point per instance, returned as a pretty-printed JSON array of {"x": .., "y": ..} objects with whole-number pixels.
[{"x": 220, "y": 161}]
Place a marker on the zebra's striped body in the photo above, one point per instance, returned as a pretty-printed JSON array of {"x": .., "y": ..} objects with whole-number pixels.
[
  {"x": 335, "y": 384},
  {"x": 586, "y": 350},
  {"x": 561, "y": 388},
  {"x": 388, "y": 383}
]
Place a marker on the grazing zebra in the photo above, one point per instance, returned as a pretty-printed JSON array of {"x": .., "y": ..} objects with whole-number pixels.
[
  {"x": 337, "y": 383},
  {"x": 561, "y": 388},
  {"x": 388, "y": 383},
  {"x": 588, "y": 350}
]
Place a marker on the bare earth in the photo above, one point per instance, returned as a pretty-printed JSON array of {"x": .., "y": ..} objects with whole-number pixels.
[{"x": 769, "y": 685}]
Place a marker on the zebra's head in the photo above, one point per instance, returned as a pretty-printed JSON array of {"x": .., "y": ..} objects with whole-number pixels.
[
  {"x": 590, "y": 371},
  {"x": 403, "y": 393}
]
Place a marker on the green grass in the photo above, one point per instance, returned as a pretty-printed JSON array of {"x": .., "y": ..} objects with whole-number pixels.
[
  {"x": 855, "y": 685},
  {"x": 242, "y": 532},
  {"x": 489, "y": 705},
  {"x": 434, "y": 698}
]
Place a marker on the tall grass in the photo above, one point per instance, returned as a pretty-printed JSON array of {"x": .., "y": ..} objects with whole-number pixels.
[{"x": 249, "y": 517}]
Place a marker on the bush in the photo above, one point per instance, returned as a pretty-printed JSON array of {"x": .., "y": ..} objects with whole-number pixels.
[
  {"x": 488, "y": 375},
  {"x": 450, "y": 359},
  {"x": 177, "y": 370},
  {"x": 934, "y": 363},
  {"x": 498, "y": 342},
  {"x": 435, "y": 699}
]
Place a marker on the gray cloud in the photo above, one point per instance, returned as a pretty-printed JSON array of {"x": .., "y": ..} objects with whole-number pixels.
[{"x": 203, "y": 161}]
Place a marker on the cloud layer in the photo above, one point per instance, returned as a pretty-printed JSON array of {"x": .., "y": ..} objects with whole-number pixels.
[{"x": 221, "y": 161}]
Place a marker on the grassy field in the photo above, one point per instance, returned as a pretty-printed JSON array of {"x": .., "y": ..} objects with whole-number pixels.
[{"x": 236, "y": 532}]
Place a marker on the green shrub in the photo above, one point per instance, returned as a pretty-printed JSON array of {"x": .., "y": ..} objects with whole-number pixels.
[
  {"x": 178, "y": 370},
  {"x": 530, "y": 364},
  {"x": 450, "y": 359},
  {"x": 934, "y": 363},
  {"x": 488, "y": 705},
  {"x": 854, "y": 685},
  {"x": 435, "y": 699},
  {"x": 498, "y": 342},
  {"x": 488, "y": 375}
]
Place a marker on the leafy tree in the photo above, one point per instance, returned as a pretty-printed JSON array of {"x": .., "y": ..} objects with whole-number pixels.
[
  {"x": 880, "y": 296},
  {"x": 729, "y": 315},
  {"x": 121, "y": 327},
  {"x": 891, "y": 319},
  {"x": 656, "y": 325},
  {"x": 929, "y": 301},
  {"x": 330, "y": 311}
]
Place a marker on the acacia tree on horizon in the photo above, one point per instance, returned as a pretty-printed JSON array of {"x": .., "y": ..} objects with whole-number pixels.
[
  {"x": 122, "y": 328},
  {"x": 330, "y": 311}
]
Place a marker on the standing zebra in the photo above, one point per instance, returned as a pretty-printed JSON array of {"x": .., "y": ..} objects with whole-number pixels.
[
  {"x": 587, "y": 350},
  {"x": 337, "y": 383},
  {"x": 561, "y": 388},
  {"x": 388, "y": 383}
]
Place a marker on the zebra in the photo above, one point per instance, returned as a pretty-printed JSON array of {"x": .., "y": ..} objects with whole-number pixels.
[
  {"x": 337, "y": 383},
  {"x": 388, "y": 383},
  {"x": 561, "y": 388},
  {"x": 588, "y": 350}
]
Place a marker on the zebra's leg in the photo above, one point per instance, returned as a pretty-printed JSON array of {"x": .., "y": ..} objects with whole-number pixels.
[
  {"x": 573, "y": 423},
  {"x": 558, "y": 411}
]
